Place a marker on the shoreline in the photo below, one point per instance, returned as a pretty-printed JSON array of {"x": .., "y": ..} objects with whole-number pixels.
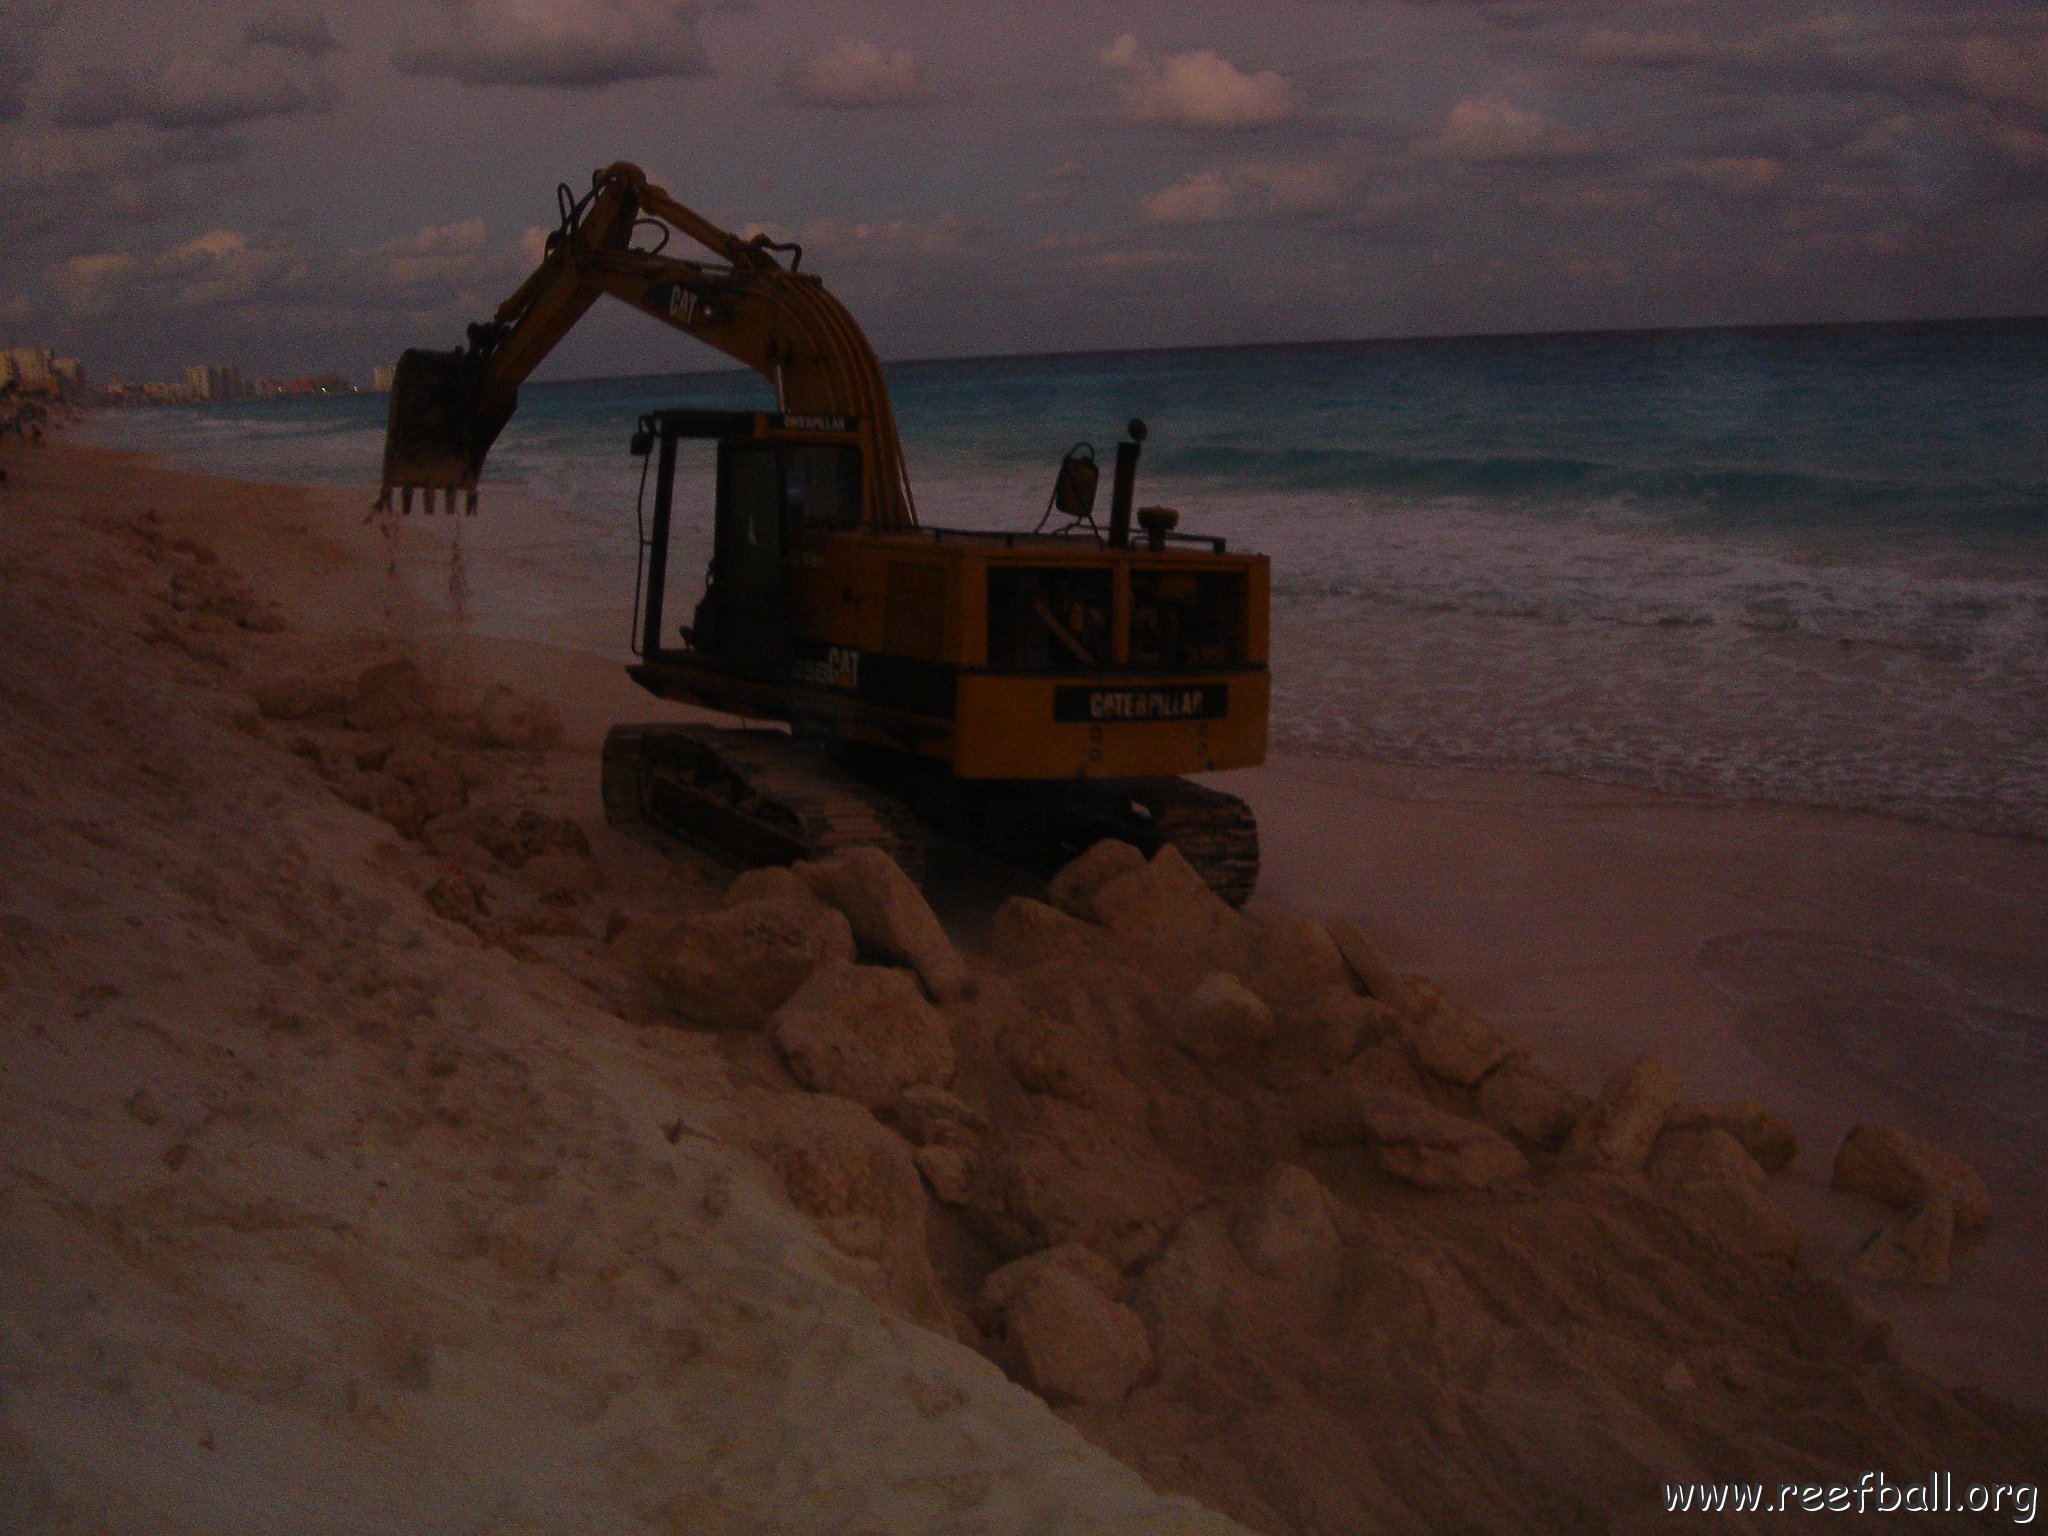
[
  {"x": 1908, "y": 800},
  {"x": 1572, "y": 912}
]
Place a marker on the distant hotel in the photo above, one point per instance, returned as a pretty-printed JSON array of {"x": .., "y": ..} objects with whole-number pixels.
[
  {"x": 39, "y": 371},
  {"x": 380, "y": 379},
  {"x": 210, "y": 381}
]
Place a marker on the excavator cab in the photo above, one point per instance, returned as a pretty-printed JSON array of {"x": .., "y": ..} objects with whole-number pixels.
[{"x": 781, "y": 483}]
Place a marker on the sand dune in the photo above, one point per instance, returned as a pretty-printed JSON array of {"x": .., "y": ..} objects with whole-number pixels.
[{"x": 364, "y": 1168}]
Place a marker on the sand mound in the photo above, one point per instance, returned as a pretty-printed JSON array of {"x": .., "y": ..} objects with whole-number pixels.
[
  {"x": 322, "y": 1212},
  {"x": 361, "y": 1156}
]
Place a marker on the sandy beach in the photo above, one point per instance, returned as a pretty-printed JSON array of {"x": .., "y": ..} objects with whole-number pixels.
[{"x": 1836, "y": 968}]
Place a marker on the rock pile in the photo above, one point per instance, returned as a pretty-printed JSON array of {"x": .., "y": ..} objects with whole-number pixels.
[{"x": 1188, "y": 1168}]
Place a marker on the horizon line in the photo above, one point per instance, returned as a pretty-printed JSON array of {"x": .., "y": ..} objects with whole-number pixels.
[{"x": 1424, "y": 338}]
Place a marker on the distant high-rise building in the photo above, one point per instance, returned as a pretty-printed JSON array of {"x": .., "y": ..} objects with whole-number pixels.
[
  {"x": 70, "y": 371},
  {"x": 33, "y": 368},
  {"x": 215, "y": 381},
  {"x": 380, "y": 378}
]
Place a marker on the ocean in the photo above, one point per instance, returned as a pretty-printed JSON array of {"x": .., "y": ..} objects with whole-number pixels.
[{"x": 1792, "y": 564}]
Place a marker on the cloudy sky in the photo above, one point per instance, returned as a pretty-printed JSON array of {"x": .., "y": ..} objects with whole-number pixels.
[{"x": 313, "y": 186}]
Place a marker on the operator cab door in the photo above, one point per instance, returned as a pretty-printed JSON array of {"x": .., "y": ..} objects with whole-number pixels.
[{"x": 749, "y": 547}]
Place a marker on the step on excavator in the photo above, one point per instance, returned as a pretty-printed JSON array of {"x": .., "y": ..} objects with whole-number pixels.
[{"x": 1031, "y": 692}]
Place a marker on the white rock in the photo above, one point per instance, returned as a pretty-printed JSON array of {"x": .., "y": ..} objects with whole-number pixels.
[
  {"x": 1073, "y": 889},
  {"x": 1450, "y": 1044},
  {"x": 1287, "y": 1227},
  {"x": 1902, "y": 1170},
  {"x": 1169, "y": 907},
  {"x": 1379, "y": 978},
  {"x": 733, "y": 967},
  {"x": 890, "y": 916},
  {"x": 1078, "y": 1346},
  {"x": 1222, "y": 1019},
  {"x": 863, "y": 1032},
  {"x": 508, "y": 718},
  {"x": 1622, "y": 1124}
]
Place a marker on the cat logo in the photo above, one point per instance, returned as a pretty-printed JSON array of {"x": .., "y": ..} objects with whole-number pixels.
[
  {"x": 682, "y": 304},
  {"x": 839, "y": 667}
]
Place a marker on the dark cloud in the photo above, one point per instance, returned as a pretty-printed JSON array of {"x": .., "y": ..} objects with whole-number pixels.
[
  {"x": 269, "y": 73},
  {"x": 304, "y": 33},
  {"x": 23, "y": 24},
  {"x": 567, "y": 44}
]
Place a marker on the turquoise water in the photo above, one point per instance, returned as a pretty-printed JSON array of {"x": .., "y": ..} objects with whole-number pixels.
[{"x": 1807, "y": 565}]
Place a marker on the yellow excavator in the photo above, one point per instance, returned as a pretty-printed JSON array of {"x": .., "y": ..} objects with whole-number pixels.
[{"x": 1028, "y": 691}]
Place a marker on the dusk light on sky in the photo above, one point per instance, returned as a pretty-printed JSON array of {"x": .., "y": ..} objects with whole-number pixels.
[{"x": 315, "y": 187}]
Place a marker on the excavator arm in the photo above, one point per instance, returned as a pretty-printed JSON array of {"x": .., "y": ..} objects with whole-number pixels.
[{"x": 447, "y": 408}]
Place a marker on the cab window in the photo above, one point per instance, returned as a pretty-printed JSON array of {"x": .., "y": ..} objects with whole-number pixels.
[{"x": 821, "y": 484}]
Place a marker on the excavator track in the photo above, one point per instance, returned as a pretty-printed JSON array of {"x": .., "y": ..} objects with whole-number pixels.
[
  {"x": 1214, "y": 832},
  {"x": 1040, "y": 824},
  {"x": 751, "y": 797}
]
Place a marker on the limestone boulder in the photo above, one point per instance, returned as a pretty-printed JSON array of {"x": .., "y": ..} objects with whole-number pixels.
[
  {"x": 1450, "y": 1044},
  {"x": 389, "y": 694},
  {"x": 1313, "y": 1041},
  {"x": 1373, "y": 971},
  {"x": 1288, "y": 1227},
  {"x": 1411, "y": 1138},
  {"x": 513, "y": 838},
  {"x": 1444, "y": 1151},
  {"x": 1905, "y": 1171},
  {"x": 1059, "y": 1054},
  {"x": 1769, "y": 1138},
  {"x": 1294, "y": 961},
  {"x": 930, "y": 1116},
  {"x": 1696, "y": 1153},
  {"x": 432, "y": 773},
  {"x": 506, "y": 717},
  {"x": 858, "y": 1181},
  {"x": 562, "y": 876},
  {"x": 1005, "y": 1285},
  {"x": 1222, "y": 1019},
  {"x": 1168, "y": 907},
  {"x": 1075, "y": 1343},
  {"x": 864, "y": 1032},
  {"x": 299, "y": 695},
  {"x": 1914, "y": 1251},
  {"x": 1519, "y": 1098},
  {"x": 1740, "y": 1216},
  {"x": 1077, "y": 1176},
  {"x": 890, "y": 916},
  {"x": 1025, "y": 934},
  {"x": 1192, "y": 1291},
  {"x": 1073, "y": 889},
  {"x": 455, "y": 896},
  {"x": 731, "y": 968},
  {"x": 947, "y": 1171},
  {"x": 773, "y": 882},
  {"x": 1331, "y": 1110},
  {"x": 1620, "y": 1126}
]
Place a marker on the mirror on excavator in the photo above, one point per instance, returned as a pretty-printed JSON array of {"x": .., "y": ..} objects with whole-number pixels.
[{"x": 1073, "y": 493}]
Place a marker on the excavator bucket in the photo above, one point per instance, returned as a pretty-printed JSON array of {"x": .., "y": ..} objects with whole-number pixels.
[{"x": 440, "y": 428}]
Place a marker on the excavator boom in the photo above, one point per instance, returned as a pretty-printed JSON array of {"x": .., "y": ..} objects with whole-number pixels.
[{"x": 447, "y": 408}]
